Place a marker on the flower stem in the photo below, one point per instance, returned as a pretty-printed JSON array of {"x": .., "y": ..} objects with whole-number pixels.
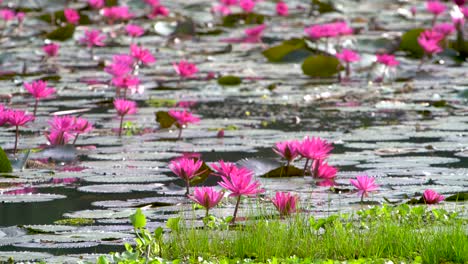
[
  {"x": 235, "y": 210},
  {"x": 35, "y": 107},
  {"x": 121, "y": 125},
  {"x": 180, "y": 134},
  {"x": 316, "y": 168},
  {"x": 76, "y": 137},
  {"x": 305, "y": 167},
  {"x": 16, "y": 139},
  {"x": 187, "y": 184}
]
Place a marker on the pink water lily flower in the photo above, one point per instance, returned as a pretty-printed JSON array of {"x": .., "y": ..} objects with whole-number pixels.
[
  {"x": 254, "y": 34},
  {"x": 134, "y": 31},
  {"x": 430, "y": 42},
  {"x": 328, "y": 30},
  {"x": 285, "y": 203},
  {"x": 229, "y": 2},
  {"x": 348, "y": 56},
  {"x": 96, "y": 4},
  {"x": 56, "y": 138},
  {"x": 365, "y": 185},
  {"x": 183, "y": 118},
  {"x": 282, "y": 9},
  {"x": 39, "y": 90},
  {"x": 3, "y": 115},
  {"x": 324, "y": 171},
  {"x": 247, "y": 5},
  {"x": 206, "y": 197},
  {"x": 72, "y": 16},
  {"x": 224, "y": 168},
  {"x": 239, "y": 182},
  {"x": 118, "y": 69},
  {"x": 115, "y": 13},
  {"x": 315, "y": 149},
  {"x": 436, "y": 8},
  {"x": 7, "y": 14},
  {"x": 153, "y": 2},
  {"x": 93, "y": 38},
  {"x": 141, "y": 55},
  {"x": 159, "y": 10},
  {"x": 432, "y": 197},
  {"x": 185, "y": 69},
  {"x": 221, "y": 9},
  {"x": 444, "y": 28},
  {"x": 387, "y": 60},
  {"x": 460, "y": 2},
  {"x": 186, "y": 169},
  {"x": 51, "y": 49},
  {"x": 81, "y": 126},
  {"x": 124, "y": 107},
  {"x": 17, "y": 118},
  {"x": 127, "y": 82}
]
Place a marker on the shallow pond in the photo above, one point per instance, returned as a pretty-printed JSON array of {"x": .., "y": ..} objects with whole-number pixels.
[{"x": 410, "y": 132}]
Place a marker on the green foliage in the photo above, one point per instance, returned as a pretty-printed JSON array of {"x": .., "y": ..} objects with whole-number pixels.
[
  {"x": 138, "y": 219},
  {"x": 59, "y": 18},
  {"x": 248, "y": 19},
  {"x": 282, "y": 172},
  {"x": 62, "y": 33},
  {"x": 130, "y": 128},
  {"x": 277, "y": 53},
  {"x": 5, "y": 164},
  {"x": 321, "y": 66},
  {"x": 229, "y": 80},
  {"x": 458, "y": 197},
  {"x": 203, "y": 174},
  {"x": 164, "y": 119},
  {"x": 173, "y": 224},
  {"x": 323, "y": 6},
  {"x": 160, "y": 102},
  {"x": 75, "y": 221},
  {"x": 409, "y": 42}
]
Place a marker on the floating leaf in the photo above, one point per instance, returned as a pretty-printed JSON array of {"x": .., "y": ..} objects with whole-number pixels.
[
  {"x": 323, "y": 7},
  {"x": 282, "y": 172},
  {"x": 202, "y": 177},
  {"x": 138, "y": 219},
  {"x": 458, "y": 197},
  {"x": 409, "y": 42},
  {"x": 75, "y": 221},
  {"x": 321, "y": 66},
  {"x": 164, "y": 119},
  {"x": 248, "y": 19},
  {"x": 229, "y": 80},
  {"x": 5, "y": 164},
  {"x": 277, "y": 53},
  {"x": 59, "y": 18},
  {"x": 161, "y": 102},
  {"x": 62, "y": 33}
]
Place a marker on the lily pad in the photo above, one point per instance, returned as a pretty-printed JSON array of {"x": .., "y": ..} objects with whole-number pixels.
[
  {"x": 5, "y": 164},
  {"x": 164, "y": 119},
  {"x": 6, "y": 256},
  {"x": 458, "y": 197},
  {"x": 62, "y": 33},
  {"x": 277, "y": 53},
  {"x": 247, "y": 18},
  {"x": 284, "y": 171},
  {"x": 321, "y": 66},
  {"x": 121, "y": 188},
  {"x": 409, "y": 42},
  {"x": 229, "y": 80},
  {"x": 30, "y": 197}
]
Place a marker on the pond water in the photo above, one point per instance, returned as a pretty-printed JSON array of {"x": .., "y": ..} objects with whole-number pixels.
[{"x": 410, "y": 131}]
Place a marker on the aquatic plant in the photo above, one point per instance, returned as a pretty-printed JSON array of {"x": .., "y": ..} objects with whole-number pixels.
[
  {"x": 124, "y": 107},
  {"x": 141, "y": 55},
  {"x": 365, "y": 185},
  {"x": 432, "y": 197},
  {"x": 247, "y": 5},
  {"x": 39, "y": 90},
  {"x": 282, "y": 8},
  {"x": 81, "y": 126},
  {"x": 61, "y": 129},
  {"x": 115, "y": 13},
  {"x": 206, "y": 197},
  {"x": 93, "y": 38},
  {"x": 72, "y": 16},
  {"x": 51, "y": 50},
  {"x": 134, "y": 31},
  {"x": 285, "y": 203},
  {"x": 254, "y": 35},
  {"x": 183, "y": 118},
  {"x": 239, "y": 182},
  {"x": 159, "y": 10},
  {"x": 436, "y": 8},
  {"x": 96, "y": 4},
  {"x": 17, "y": 118},
  {"x": 315, "y": 149},
  {"x": 388, "y": 61},
  {"x": 429, "y": 40},
  {"x": 186, "y": 169},
  {"x": 185, "y": 69},
  {"x": 321, "y": 169},
  {"x": 348, "y": 56}
]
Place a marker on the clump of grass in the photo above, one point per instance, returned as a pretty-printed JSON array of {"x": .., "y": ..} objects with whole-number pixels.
[{"x": 402, "y": 232}]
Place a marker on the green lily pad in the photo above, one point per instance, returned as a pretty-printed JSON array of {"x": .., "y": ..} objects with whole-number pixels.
[
  {"x": 75, "y": 221},
  {"x": 277, "y": 53},
  {"x": 321, "y": 66},
  {"x": 229, "y": 80},
  {"x": 161, "y": 102},
  {"x": 323, "y": 6},
  {"x": 281, "y": 172},
  {"x": 164, "y": 119},
  {"x": 59, "y": 17},
  {"x": 5, "y": 164},
  {"x": 409, "y": 42},
  {"x": 202, "y": 177},
  {"x": 62, "y": 33},
  {"x": 458, "y": 197},
  {"x": 248, "y": 19}
]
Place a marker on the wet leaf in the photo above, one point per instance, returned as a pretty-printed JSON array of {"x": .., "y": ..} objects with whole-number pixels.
[
  {"x": 62, "y": 33},
  {"x": 248, "y": 19},
  {"x": 458, "y": 197},
  {"x": 321, "y": 66},
  {"x": 282, "y": 172},
  {"x": 323, "y": 6},
  {"x": 161, "y": 102},
  {"x": 75, "y": 221},
  {"x": 277, "y": 53},
  {"x": 229, "y": 80},
  {"x": 5, "y": 164},
  {"x": 164, "y": 119},
  {"x": 138, "y": 219},
  {"x": 409, "y": 43},
  {"x": 203, "y": 176}
]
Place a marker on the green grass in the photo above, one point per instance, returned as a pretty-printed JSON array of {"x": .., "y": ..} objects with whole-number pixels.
[{"x": 402, "y": 233}]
